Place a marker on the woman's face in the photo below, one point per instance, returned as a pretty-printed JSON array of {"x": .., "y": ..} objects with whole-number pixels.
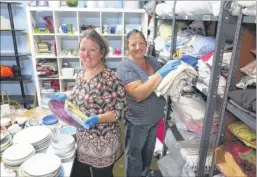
[
  {"x": 136, "y": 46},
  {"x": 90, "y": 53}
]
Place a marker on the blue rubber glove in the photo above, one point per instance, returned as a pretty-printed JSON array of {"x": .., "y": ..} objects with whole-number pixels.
[
  {"x": 91, "y": 121},
  {"x": 171, "y": 65},
  {"x": 59, "y": 96}
]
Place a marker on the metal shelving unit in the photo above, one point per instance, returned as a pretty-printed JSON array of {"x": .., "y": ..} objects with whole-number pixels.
[
  {"x": 19, "y": 77},
  {"x": 243, "y": 116},
  {"x": 230, "y": 85},
  {"x": 224, "y": 20}
]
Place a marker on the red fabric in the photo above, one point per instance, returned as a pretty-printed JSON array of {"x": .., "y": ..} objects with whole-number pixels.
[
  {"x": 207, "y": 56},
  {"x": 160, "y": 130}
]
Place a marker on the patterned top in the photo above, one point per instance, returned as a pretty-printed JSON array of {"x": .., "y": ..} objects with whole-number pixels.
[{"x": 100, "y": 146}]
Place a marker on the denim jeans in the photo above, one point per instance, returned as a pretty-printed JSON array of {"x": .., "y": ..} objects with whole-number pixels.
[{"x": 139, "y": 144}]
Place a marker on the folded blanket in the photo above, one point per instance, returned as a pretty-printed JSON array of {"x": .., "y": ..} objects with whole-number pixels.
[
  {"x": 173, "y": 83},
  {"x": 244, "y": 156},
  {"x": 190, "y": 155}
]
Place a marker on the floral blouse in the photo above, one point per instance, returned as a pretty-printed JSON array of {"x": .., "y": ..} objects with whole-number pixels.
[{"x": 100, "y": 146}]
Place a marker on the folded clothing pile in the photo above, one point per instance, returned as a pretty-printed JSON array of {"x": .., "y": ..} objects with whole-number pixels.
[
  {"x": 245, "y": 100},
  {"x": 172, "y": 84}
]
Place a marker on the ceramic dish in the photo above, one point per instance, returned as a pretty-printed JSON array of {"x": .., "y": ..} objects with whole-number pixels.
[
  {"x": 41, "y": 164},
  {"x": 50, "y": 120},
  {"x": 32, "y": 135},
  {"x": 13, "y": 129},
  {"x": 62, "y": 141},
  {"x": 3, "y": 135},
  {"x": 18, "y": 152},
  {"x": 68, "y": 154},
  {"x": 68, "y": 130},
  {"x": 63, "y": 151}
]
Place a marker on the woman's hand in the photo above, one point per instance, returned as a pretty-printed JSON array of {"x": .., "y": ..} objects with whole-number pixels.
[
  {"x": 91, "y": 121},
  {"x": 171, "y": 65}
]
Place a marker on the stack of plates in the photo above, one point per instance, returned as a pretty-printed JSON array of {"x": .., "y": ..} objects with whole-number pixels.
[
  {"x": 6, "y": 141},
  {"x": 16, "y": 154},
  {"x": 42, "y": 165},
  {"x": 38, "y": 136}
]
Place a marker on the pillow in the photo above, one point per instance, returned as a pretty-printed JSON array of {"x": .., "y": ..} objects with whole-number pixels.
[
  {"x": 193, "y": 8},
  {"x": 244, "y": 133},
  {"x": 164, "y": 9},
  {"x": 249, "y": 69}
]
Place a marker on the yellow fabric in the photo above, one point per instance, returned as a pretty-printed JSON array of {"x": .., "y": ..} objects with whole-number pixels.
[
  {"x": 226, "y": 163},
  {"x": 244, "y": 133}
]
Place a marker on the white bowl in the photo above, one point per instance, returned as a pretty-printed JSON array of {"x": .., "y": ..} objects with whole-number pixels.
[
  {"x": 15, "y": 128},
  {"x": 68, "y": 154},
  {"x": 63, "y": 151},
  {"x": 63, "y": 141},
  {"x": 21, "y": 120},
  {"x": 68, "y": 72}
]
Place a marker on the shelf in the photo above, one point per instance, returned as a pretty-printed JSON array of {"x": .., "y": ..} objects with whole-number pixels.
[
  {"x": 192, "y": 17},
  {"x": 10, "y": 2},
  {"x": 48, "y": 78},
  {"x": 114, "y": 57},
  {"x": 67, "y": 78},
  {"x": 45, "y": 56},
  {"x": 64, "y": 34},
  {"x": 243, "y": 116},
  {"x": 12, "y": 54},
  {"x": 10, "y": 30},
  {"x": 68, "y": 56},
  {"x": 43, "y": 34},
  {"x": 17, "y": 78},
  {"x": 18, "y": 98},
  {"x": 113, "y": 35},
  {"x": 249, "y": 19}
]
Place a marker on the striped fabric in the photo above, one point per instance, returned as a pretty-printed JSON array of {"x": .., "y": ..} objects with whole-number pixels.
[{"x": 150, "y": 110}]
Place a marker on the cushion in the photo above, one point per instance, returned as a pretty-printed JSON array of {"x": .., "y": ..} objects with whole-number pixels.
[
  {"x": 249, "y": 69},
  {"x": 244, "y": 133}
]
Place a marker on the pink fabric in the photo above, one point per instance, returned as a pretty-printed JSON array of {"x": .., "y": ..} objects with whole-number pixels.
[
  {"x": 195, "y": 126},
  {"x": 250, "y": 68},
  {"x": 207, "y": 56},
  {"x": 160, "y": 130}
]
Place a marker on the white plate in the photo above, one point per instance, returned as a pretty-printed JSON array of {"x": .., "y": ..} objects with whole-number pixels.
[
  {"x": 31, "y": 135},
  {"x": 3, "y": 135},
  {"x": 18, "y": 152},
  {"x": 41, "y": 164}
]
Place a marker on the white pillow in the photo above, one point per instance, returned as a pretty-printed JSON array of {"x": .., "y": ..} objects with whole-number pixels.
[
  {"x": 215, "y": 7},
  {"x": 251, "y": 11},
  {"x": 246, "y": 3},
  {"x": 164, "y": 9},
  {"x": 193, "y": 8}
]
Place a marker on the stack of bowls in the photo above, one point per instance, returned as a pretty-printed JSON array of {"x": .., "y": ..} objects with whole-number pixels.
[
  {"x": 68, "y": 130},
  {"x": 6, "y": 141},
  {"x": 50, "y": 121},
  {"x": 16, "y": 154},
  {"x": 42, "y": 165},
  {"x": 64, "y": 147}
]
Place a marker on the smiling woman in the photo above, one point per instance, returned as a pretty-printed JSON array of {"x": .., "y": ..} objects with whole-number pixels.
[
  {"x": 99, "y": 95},
  {"x": 140, "y": 75}
]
